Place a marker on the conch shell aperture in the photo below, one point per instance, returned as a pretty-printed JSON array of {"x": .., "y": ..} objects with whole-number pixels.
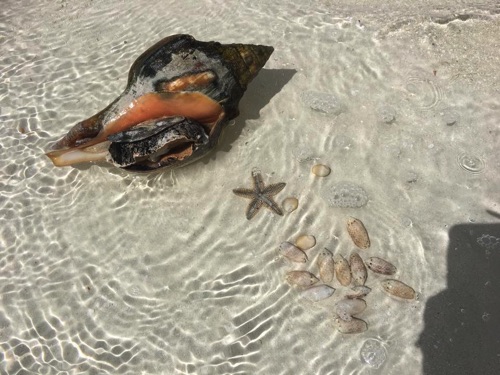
[{"x": 180, "y": 94}]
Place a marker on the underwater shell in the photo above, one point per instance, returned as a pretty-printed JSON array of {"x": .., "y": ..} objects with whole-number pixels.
[
  {"x": 300, "y": 278},
  {"x": 290, "y": 204},
  {"x": 358, "y": 291},
  {"x": 381, "y": 266},
  {"x": 358, "y": 233},
  {"x": 398, "y": 289},
  {"x": 355, "y": 325},
  {"x": 358, "y": 269},
  {"x": 180, "y": 94},
  {"x": 342, "y": 270},
  {"x": 292, "y": 252},
  {"x": 317, "y": 292},
  {"x": 346, "y": 308},
  {"x": 321, "y": 170},
  {"x": 326, "y": 265},
  {"x": 305, "y": 242}
]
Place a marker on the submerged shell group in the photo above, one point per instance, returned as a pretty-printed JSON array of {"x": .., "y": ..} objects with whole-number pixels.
[{"x": 335, "y": 268}]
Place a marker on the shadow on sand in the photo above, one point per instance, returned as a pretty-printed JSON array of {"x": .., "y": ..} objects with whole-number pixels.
[
  {"x": 267, "y": 84},
  {"x": 462, "y": 323}
]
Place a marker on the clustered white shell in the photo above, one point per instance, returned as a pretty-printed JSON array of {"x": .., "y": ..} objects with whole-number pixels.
[{"x": 335, "y": 268}]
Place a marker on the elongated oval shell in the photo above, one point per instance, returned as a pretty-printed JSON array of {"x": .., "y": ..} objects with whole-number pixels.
[
  {"x": 292, "y": 252},
  {"x": 346, "y": 308},
  {"x": 342, "y": 270},
  {"x": 321, "y": 170},
  {"x": 355, "y": 325},
  {"x": 358, "y": 291},
  {"x": 399, "y": 289},
  {"x": 358, "y": 269},
  {"x": 301, "y": 278},
  {"x": 317, "y": 292},
  {"x": 305, "y": 242},
  {"x": 358, "y": 233},
  {"x": 380, "y": 265},
  {"x": 326, "y": 265}
]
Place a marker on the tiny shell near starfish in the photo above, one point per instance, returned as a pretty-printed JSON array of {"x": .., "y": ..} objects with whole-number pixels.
[{"x": 260, "y": 195}]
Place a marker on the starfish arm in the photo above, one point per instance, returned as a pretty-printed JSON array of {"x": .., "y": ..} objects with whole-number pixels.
[
  {"x": 246, "y": 193},
  {"x": 253, "y": 208},
  {"x": 274, "y": 207},
  {"x": 257, "y": 181},
  {"x": 273, "y": 189},
  {"x": 271, "y": 204}
]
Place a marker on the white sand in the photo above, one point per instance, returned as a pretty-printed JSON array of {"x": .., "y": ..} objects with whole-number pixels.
[{"x": 102, "y": 271}]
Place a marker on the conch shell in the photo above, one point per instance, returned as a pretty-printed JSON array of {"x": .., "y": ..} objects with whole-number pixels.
[{"x": 180, "y": 94}]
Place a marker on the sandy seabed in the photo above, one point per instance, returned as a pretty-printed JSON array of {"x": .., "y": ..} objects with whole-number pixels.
[{"x": 107, "y": 272}]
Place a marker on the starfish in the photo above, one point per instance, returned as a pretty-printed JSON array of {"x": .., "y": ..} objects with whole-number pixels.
[{"x": 260, "y": 195}]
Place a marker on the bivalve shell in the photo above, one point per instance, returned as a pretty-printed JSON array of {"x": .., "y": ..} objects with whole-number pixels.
[
  {"x": 346, "y": 308},
  {"x": 342, "y": 270},
  {"x": 302, "y": 279},
  {"x": 321, "y": 170},
  {"x": 399, "y": 289},
  {"x": 305, "y": 242},
  {"x": 292, "y": 252},
  {"x": 290, "y": 204},
  {"x": 317, "y": 292},
  {"x": 326, "y": 265},
  {"x": 358, "y": 233},
  {"x": 381, "y": 266},
  {"x": 355, "y": 325},
  {"x": 358, "y": 269}
]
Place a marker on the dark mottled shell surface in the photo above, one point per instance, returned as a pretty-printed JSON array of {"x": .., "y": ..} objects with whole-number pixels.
[{"x": 180, "y": 93}]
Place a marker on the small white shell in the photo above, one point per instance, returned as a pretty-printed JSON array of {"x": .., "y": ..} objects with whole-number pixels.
[
  {"x": 301, "y": 278},
  {"x": 346, "y": 308},
  {"x": 342, "y": 270},
  {"x": 358, "y": 233},
  {"x": 358, "y": 269},
  {"x": 292, "y": 252},
  {"x": 353, "y": 326},
  {"x": 321, "y": 170},
  {"x": 290, "y": 204},
  {"x": 326, "y": 265},
  {"x": 359, "y": 291},
  {"x": 380, "y": 265},
  {"x": 317, "y": 292},
  {"x": 398, "y": 289},
  {"x": 305, "y": 242}
]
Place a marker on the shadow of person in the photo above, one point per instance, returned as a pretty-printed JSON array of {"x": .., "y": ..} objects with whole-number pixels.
[{"x": 462, "y": 323}]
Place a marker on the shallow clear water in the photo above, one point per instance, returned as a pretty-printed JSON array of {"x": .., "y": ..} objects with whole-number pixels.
[{"x": 102, "y": 271}]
